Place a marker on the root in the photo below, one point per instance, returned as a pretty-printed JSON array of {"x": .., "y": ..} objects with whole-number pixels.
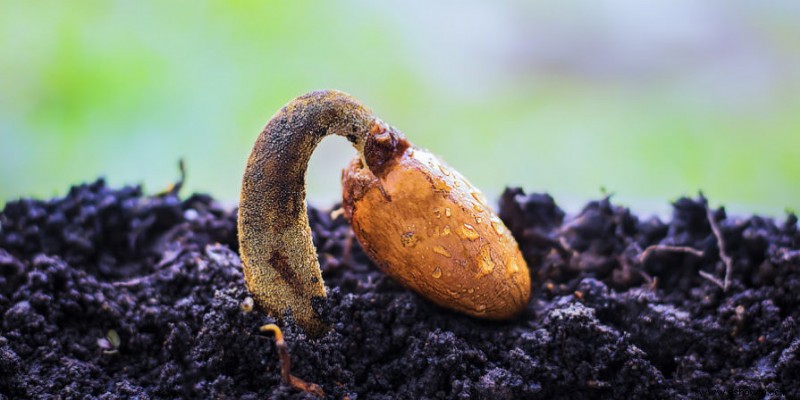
[
  {"x": 723, "y": 255},
  {"x": 658, "y": 248},
  {"x": 286, "y": 364},
  {"x": 713, "y": 279}
]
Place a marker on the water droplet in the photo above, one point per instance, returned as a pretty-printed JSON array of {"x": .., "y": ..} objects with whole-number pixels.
[
  {"x": 481, "y": 308},
  {"x": 437, "y": 212},
  {"x": 469, "y": 232},
  {"x": 441, "y": 185},
  {"x": 498, "y": 226},
  {"x": 511, "y": 266},
  {"x": 437, "y": 273},
  {"x": 477, "y": 207},
  {"x": 479, "y": 197},
  {"x": 478, "y": 220},
  {"x": 444, "y": 170},
  {"x": 441, "y": 251},
  {"x": 447, "y": 211},
  {"x": 408, "y": 239},
  {"x": 485, "y": 262},
  {"x": 446, "y": 230},
  {"x": 470, "y": 290}
]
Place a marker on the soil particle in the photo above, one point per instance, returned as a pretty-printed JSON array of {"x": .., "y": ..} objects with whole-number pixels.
[{"x": 605, "y": 321}]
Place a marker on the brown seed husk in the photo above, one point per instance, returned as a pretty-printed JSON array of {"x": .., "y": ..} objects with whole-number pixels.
[{"x": 428, "y": 228}]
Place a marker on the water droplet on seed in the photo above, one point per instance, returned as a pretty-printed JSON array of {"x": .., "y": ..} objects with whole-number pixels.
[
  {"x": 447, "y": 211},
  {"x": 511, "y": 266},
  {"x": 479, "y": 197},
  {"x": 469, "y": 232},
  {"x": 485, "y": 262},
  {"x": 444, "y": 170},
  {"x": 441, "y": 185},
  {"x": 437, "y": 273},
  {"x": 441, "y": 251},
  {"x": 437, "y": 212},
  {"x": 446, "y": 230},
  {"x": 498, "y": 226}
]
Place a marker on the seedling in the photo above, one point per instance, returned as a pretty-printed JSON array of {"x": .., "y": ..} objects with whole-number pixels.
[{"x": 419, "y": 220}]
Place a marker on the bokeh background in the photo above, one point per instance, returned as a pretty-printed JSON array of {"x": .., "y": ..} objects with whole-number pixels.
[{"x": 646, "y": 100}]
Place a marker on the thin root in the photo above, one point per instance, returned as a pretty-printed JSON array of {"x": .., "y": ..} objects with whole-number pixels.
[
  {"x": 721, "y": 244},
  {"x": 712, "y": 278},
  {"x": 657, "y": 248},
  {"x": 286, "y": 364}
]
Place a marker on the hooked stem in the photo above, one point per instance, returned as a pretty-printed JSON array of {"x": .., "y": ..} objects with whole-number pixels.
[{"x": 278, "y": 256}]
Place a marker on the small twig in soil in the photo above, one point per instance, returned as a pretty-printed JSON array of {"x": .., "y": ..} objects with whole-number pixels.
[
  {"x": 286, "y": 364},
  {"x": 721, "y": 244},
  {"x": 665, "y": 248}
]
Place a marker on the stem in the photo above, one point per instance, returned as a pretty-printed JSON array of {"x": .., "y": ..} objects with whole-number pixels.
[{"x": 278, "y": 257}]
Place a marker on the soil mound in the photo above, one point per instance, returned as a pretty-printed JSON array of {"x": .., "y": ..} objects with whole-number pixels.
[{"x": 623, "y": 308}]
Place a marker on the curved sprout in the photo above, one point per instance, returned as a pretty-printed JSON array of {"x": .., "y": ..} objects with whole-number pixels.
[{"x": 279, "y": 259}]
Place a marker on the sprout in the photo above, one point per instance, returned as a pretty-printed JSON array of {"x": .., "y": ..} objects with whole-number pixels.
[{"x": 419, "y": 220}]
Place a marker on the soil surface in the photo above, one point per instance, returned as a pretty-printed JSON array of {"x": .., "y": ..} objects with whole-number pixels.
[{"x": 611, "y": 316}]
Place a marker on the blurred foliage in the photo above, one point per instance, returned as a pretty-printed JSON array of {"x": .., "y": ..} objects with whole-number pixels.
[{"x": 650, "y": 101}]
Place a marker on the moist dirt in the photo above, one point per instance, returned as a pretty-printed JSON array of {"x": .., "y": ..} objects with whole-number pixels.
[{"x": 702, "y": 305}]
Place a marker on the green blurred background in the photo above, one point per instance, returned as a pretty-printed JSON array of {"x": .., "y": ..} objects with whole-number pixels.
[{"x": 647, "y": 100}]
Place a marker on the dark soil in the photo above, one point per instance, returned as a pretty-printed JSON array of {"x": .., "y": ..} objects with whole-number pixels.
[{"x": 605, "y": 321}]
